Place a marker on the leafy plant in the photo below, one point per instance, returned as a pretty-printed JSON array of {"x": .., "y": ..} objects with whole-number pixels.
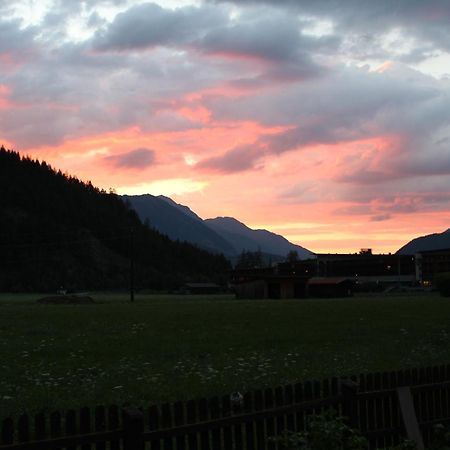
[
  {"x": 440, "y": 438},
  {"x": 326, "y": 431}
]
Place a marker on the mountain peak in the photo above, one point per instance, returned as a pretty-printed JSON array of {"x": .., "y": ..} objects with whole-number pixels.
[
  {"x": 222, "y": 234},
  {"x": 184, "y": 209}
]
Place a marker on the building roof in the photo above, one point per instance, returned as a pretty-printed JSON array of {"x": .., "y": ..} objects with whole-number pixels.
[
  {"x": 328, "y": 280},
  {"x": 434, "y": 251},
  {"x": 202, "y": 285}
]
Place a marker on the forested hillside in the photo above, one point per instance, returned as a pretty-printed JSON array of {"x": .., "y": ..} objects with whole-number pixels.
[{"x": 58, "y": 231}]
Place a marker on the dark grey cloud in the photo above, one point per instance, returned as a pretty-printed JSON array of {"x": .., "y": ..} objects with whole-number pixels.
[
  {"x": 380, "y": 217},
  {"x": 236, "y": 160},
  {"x": 361, "y": 23},
  {"x": 385, "y": 207},
  {"x": 133, "y": 159},
  {"x": 274, "y": 37},
  {"x": 81, "y": 93},
  {"x": 16, "y": 40},
  {"x": 211, "y": 30},
  {"x": 399, "y": 104},
  {"x": 366, "y": 176},
  {"x": 150, "y": 25}
]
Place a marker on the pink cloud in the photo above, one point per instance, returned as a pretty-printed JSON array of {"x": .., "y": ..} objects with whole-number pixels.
[{"x": 5, "y": 92}]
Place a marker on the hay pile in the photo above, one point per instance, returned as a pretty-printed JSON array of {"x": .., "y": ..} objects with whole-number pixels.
[{"x": 66, "y": 300}]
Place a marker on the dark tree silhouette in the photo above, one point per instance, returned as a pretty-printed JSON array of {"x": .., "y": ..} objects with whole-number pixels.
[
  {"x": 250, "y": 260},
  {"x": 57, "y": 230}
]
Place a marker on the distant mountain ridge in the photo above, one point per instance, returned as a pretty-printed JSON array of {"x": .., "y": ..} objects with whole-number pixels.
[
  {"x": 435, "y": 241},
  {"x": 184, "y": 209},
  {"x": 178, "y": 222},
  {"x": 244, "y": 238},
  {"x": 222, "y": 235}
]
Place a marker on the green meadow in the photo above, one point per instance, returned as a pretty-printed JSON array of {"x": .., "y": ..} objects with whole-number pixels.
[{"x": 163, "y": 348}]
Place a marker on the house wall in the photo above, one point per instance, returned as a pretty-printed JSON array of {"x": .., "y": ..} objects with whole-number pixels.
[
  {"x": 272, "y": 289},
  {"x": 251, "y": 290},
  {"x": 429, "y": 264},
  {"x": 287, "y": 289}
]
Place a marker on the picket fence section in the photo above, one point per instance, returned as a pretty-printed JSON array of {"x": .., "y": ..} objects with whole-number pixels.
[{"x": 243, "y": 422}]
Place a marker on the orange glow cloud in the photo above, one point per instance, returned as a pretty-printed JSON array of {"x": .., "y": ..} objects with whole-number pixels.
[
  {"x": 197, "y": 113},
  {"x": 308, "y": 219}
]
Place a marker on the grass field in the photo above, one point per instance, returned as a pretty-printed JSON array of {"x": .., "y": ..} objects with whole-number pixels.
[{"x": 168, "y": 348}]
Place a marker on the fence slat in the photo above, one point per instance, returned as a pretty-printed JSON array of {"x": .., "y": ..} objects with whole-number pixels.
[
  {"x": 100, "y": 425},
  {"x": 280, "y": 422},
  {"x": 203, "y": 417},
  {"x": 40, "y": 429},
  {"x": 113, "y": 424},
  {"x": 55, "y": 425},
  {"x": 23, "y": 428},
  {"x": 178, "y": 419},
  {"x": 298, "y": 398},
  {"x": 8, "y": 431},
  {"x": 249, "y": 430},
  {"x": 71, "y": 425},
  {"x": 289, "y": 400},
  {"x": 85, "y": 425},
  {"x": 166, "y": 422},
  {"x": 214, "y": 409},
  {"x": 270, "y": 421},
  {"x": 226, "y": 431},
  {"x": 191, "y": 417},
  {"x": 259, "y": 424},
  {"x": 133, "y": 427}
]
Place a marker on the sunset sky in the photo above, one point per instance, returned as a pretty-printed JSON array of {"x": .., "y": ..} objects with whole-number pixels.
[{"x": 326, "y": 121}]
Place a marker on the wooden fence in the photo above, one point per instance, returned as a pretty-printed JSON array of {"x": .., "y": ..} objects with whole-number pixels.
[{"x": 386, "y": 407}]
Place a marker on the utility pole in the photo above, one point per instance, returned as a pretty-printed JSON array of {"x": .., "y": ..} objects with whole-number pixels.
[{"x": 132, "y": 265}]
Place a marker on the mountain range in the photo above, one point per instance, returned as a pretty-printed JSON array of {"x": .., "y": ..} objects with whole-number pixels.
[
  {"x": 435, "y": 241},
  {"x": 225, "y": 235},
  {"x": 231, "y": 237}
]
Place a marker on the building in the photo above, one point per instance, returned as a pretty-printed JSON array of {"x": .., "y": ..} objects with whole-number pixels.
[
  {"x": 268, "y": 283},
  {"x": 431, "y": 263},
  {"x": 200, "y": 289},
  {"x": 327, "y": 275},
  {"x": 330, "y": 287},
  {"x": 368, "y": 268}
]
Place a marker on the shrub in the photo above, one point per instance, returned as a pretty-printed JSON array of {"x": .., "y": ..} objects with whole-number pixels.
[
  {"x": 323, "y": 432},
  {"x": 440, "y": 438},
  {"x": 443, "y": 284}
]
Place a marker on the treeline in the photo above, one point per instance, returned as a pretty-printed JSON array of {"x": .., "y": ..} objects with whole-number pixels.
[{"x": 56, "y": 230}]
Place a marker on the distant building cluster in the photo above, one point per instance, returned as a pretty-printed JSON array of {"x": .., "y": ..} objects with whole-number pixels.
[{"x": 339, "y": 275}]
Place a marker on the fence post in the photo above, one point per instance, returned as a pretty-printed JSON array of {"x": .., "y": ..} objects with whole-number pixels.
[
  {"x": 349, "y": 389},
  {"x": 133, "y": 427},
  {"x": 409, "y": 417}
]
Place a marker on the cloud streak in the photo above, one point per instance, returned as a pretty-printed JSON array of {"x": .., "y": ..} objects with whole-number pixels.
[{"x": 138, "y": 158}]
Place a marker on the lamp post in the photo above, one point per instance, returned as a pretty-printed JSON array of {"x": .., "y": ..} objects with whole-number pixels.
[{"x": 132, "y": 265}]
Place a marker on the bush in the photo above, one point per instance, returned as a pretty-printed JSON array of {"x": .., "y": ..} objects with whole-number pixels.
[
  {"x": 440, "y": 438},
  {"x": 323, "y": 432},
  {"x": 443, "y": 284}
]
